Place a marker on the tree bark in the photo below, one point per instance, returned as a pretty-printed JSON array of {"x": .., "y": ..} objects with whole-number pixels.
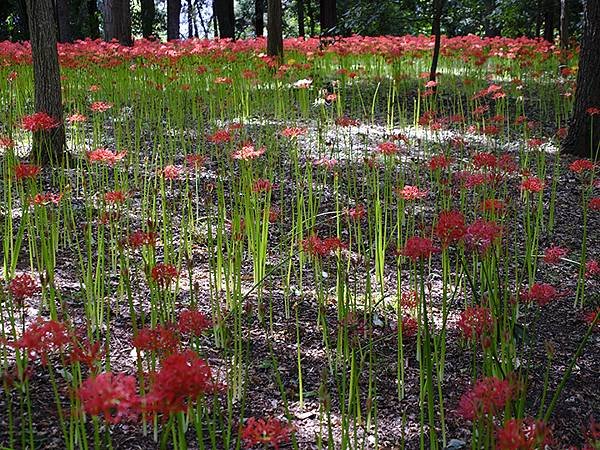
[
  {"x": 93, "y": 22},
  {"x": 48, "y": 146},
  {"x": 583, "y": 138},
  {"x": 117, "y": 21},
  {"x": 274, "y": 29},
  {"x": 300, "y": 6},
  {"x": 564, "y": 30},
  {"x": 328, "y": 17},
  {"x": 225, "y": 18},
  {"x": 436, "y": 31},
  {"x": 173, "y": 15},
  {"x": 148, "y": 13},
  {"x": 549, "y": 6},
  {"x": 259, "y": 20},
  {"x": 62, "y": 19}
]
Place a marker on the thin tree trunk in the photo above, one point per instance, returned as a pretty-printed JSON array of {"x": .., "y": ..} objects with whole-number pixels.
[
  {"x": 190, "y": 19},
  {"x": 117, "y": 21},
  {"x": 328, "y": 16},
  {"x": 274, "y": 29},
  {"x": 259, "y": 20},
  {"x": 62, "y": 19},
  {"x": 564, "y": 31},
  {"x": 225, "y": 18},
  {"x": 300, "y": 6},
  {"x": 311, "y": 17},
  {"x": 173, "y": 15},
  {"x": 148, "y": 13},
  {"x": 436, "y": 31},
  {"x": 583, "y": 139},
  {"x": 48, "y": 146},
  {"x": 549, "y": 6},
  {"x": 93, "y": 22}
]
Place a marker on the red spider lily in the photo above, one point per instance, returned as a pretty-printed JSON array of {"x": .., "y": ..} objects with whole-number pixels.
[
  {"x": 192, "y": 322},
  {"x": 409, "y": 327},
  {"x": 316, "y": 246},
  {"x": 271, "y": 432},
  {"x": 582, "y": 165},
  {"x": 105, "y": 156},
  {"x": 541, "y": 293},
  {"x": 493, "y": 205},
  {"x": 140, "y": 238},
  {"x": 25, "y": 171},
  {"x": 487, "y": 398},
  {"x": 262, "y": 185},
  {"x": 535, "y": 143},
  {"x": 438, "y": 162},
  {"x": 164, "y": 274},
  {"x": 491, "y": 130},
  {"x": 160, "y": 339},
  {"x": 171, "y": 172},
  {"x": 327, "y": 163},
  {"x": 592, "y": 268},
  {"x": 475, "y": 322},
  {"x": 223, "y": 80},
  {"x": 594, "y": 203},
  {"x": 274, "y": 213},
  {"x": 482, "y": 233},
  {"x": 248, "y": 152},
  {"x": 417, "y": 248},
  {"x": 593, "y": 111},
  {"x": 532, "y": 184},
  {"x": 387, "y": 148},
  {"x": 100, "y": 106},
  {"x": 523, "y": 434},
  {"x": 196, "y": 161},
  {"x": 357, "y": 213},
  {"x": 409, "y": 299},
  {"x": 293, "y": 132},
  {"x": 450, "y": 227},
  {"x": 110, "y": 395},
  {"x": 485, "y": 161},
  {"x": 23, "y": 286},
  {"x": 554, "y": 254},
  {"x": 46, "y": 199},
  {"x": 411, "y": 193},
  {"x": 346, "y": 122},
  {"x": 219, "y": 137},
  {"x": 115, "y": 197},
  {"x": 43, "y": 337},
  {"x": 6, "y": 142},
  {"x": 182, "y": 379},
  {"x": 480, "y": 110},
  {"x": 86, "y": 352},
  {"x": 593, "y": 316},
  {"x": 77, "y": 118},
  {"x": 40, "y": 121}
]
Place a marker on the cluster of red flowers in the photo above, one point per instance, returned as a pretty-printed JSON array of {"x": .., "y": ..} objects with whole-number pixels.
[
  {"x": 523, "y": 434},
  {"x": 171, "y": 172},
  {"x": 439, "y": 162},
  {"x": 42, "y": 338},
  {"x": 580, "y": 166},
  {"x": 532, "y": 184},
  {"x": 318, "y": 247},
  {"x": 46, "y": 199},
  {"x": 293, "y": 132},
  {"x": 411, "y": 193},
  {"x": 262, "y": 185},
  {"x": 23, "y": 286},
  {"x": 192, "y": 322},
  {"x": 160, "y": 339},
  {"x": 105, "y": 156},
  {"x": 141, "y": 238},
  {"x": 40, "y": 121},
  {"x": 482, "y": 234},
  {"x": 219, "y": 137},
  {"x": 417, "y": 248},
  {"x": 487, "y": 398},
  {"x": 115, "y": 197},
  {"x": 387, "y": 148},
  {"x": 272, "y": 432},
  {"x": 196, "y": 161},
  {"x": 113, "y": 396},
  {"x": 248, "y": 152},
  {"x": 25, "y": 171},
  {"x": 357, "y": 213},
  {"x": 541, "y": 293},
  {"x": 554, "y": 254},
  {"x": 101, "y": 106},
  {"x": 450, "y": 227},
  {"x": 475, "y": 322},
  {"x": 164, "y": 274}
]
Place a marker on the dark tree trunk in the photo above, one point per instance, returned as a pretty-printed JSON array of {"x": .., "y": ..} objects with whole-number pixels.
[
  {"x": 564, "y": 30},
  {"x": 310, "y": 12},
  {"x": 259, "y": 19},
  {"x": 300, "y": 6},
  {"x": 117, "y": 21},
  {"x": 583, "y": 139},
  {"x": 93, "y": 21},
  {"x": 48, "y": 146},
  {"x": 148, "y": 13},
  {"x": 173, "y": 15},
  {"x": 225, "y": 18},
  {"x": 549, "y": 6},
  {"x": 21, "y": 31},
  {"x": 274, "y": 29},
  {"x": 62, "y": 19},
  {"x": 190, "y": 19},
  {"x": 328, "y": 17},
  {"x": 436, "y": 31}
]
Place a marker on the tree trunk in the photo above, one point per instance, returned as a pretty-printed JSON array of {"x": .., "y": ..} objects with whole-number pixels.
[
  {"x": 117, "y": 21},
  {"x": 274, "y": 29},
  {"x": 190, "y": 19},
  {"x": 436, "y": 31},
  {"x": 48, "y": 146},
  {"x": 225, "y": 18},
  {"x": 259, "y": 20},
  {"x": 300, "y": 6},
  {"x": 148, "y": 13},
  {"x": 583, "y": 139},
  {"x": 564, "y": 31},
  {"x": 328, "y": 17},
  {"x": 93, "y": 22},
  {"x": 489, "y": 23},
  {"x": 549, "y": 20},
  {"x": 173, "y": 15},
  {"x": 62, "y": 19}
]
